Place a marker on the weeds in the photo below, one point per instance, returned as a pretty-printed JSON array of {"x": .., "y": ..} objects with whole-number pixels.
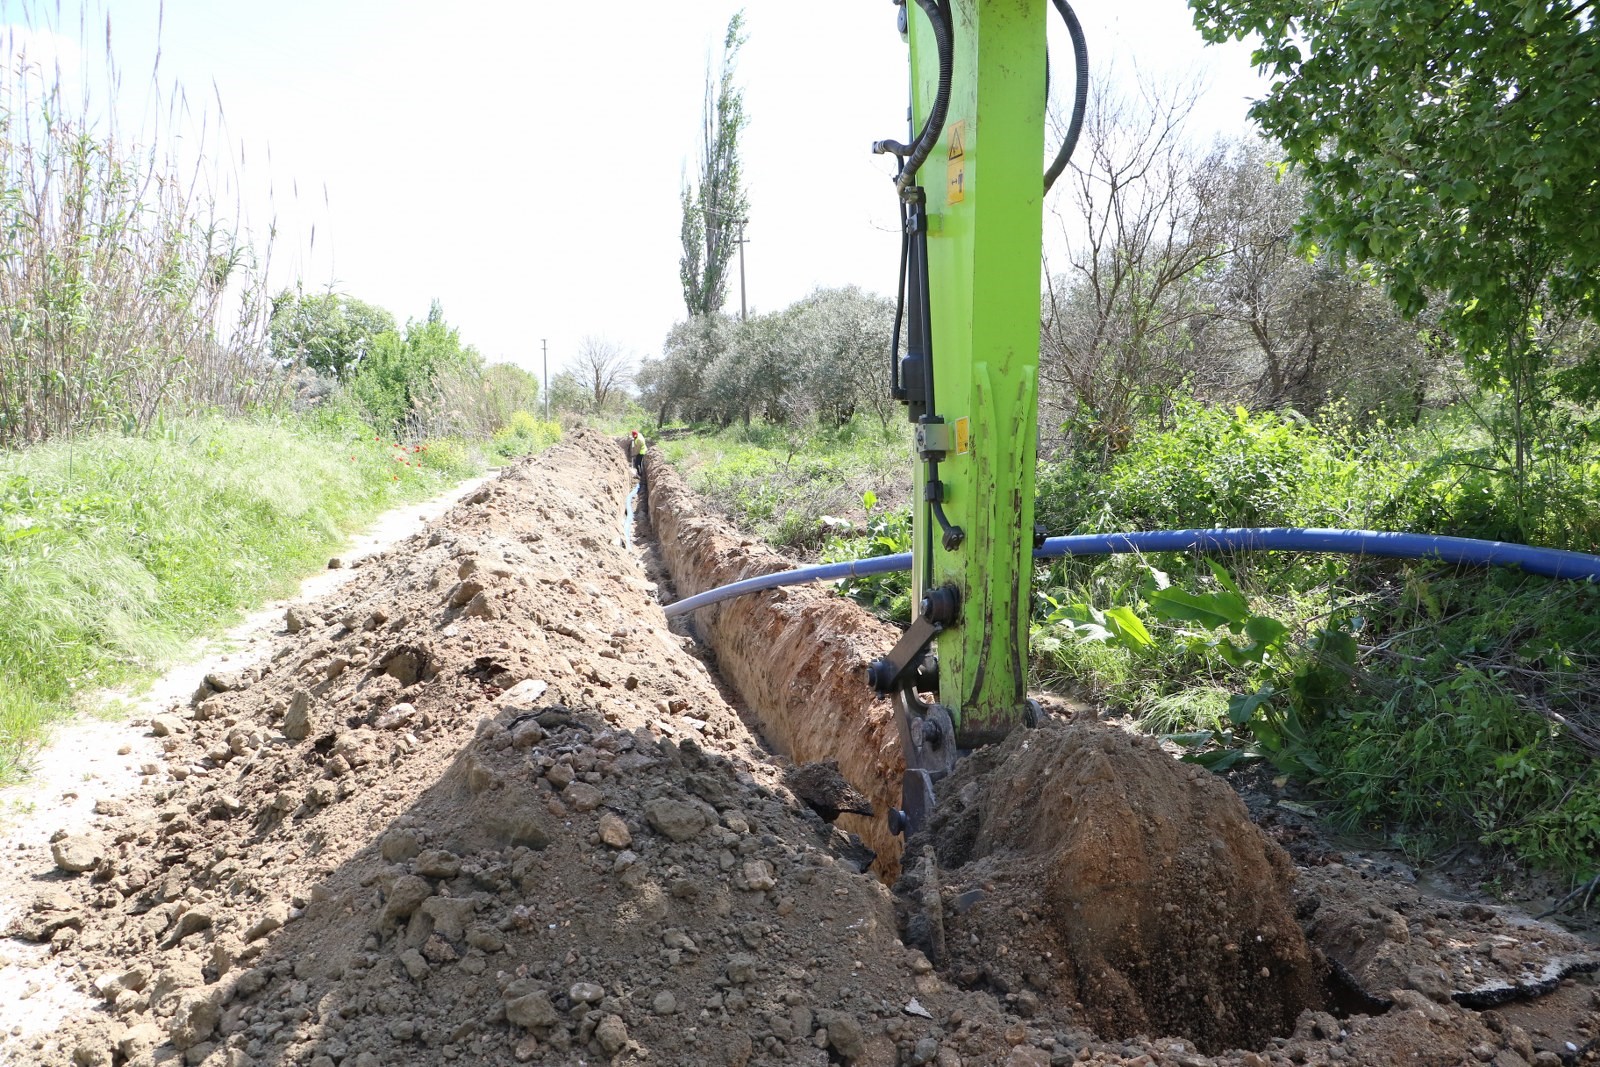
[
  {"x": 126, "y": 296},
  {"x": 115, "y": 550}
]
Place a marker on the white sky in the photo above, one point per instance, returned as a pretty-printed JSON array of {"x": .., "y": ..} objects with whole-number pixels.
[{"x": 522, "y": 161}]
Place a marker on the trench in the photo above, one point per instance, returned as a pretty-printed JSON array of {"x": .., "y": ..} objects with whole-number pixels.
[{"x": 797, "y": 657}]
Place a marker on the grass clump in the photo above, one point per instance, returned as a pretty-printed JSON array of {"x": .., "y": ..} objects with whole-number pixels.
[
  {"x": 116, "y": 549},
  {"x": 784, "y": 482},
  {"x": 523, "y": 435}
]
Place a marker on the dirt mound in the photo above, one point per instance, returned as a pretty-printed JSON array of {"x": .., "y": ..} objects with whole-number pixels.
[
  {"x": 483, "y": 806},
  {"x": 1088, "y": 865}
]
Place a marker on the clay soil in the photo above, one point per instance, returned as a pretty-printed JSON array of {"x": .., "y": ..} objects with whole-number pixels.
[{"x": 484, "y": 805}]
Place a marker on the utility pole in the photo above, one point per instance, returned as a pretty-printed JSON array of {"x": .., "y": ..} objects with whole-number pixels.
[
  {"x": 743, "y": 311},
  {"x": 545, "y": 345}
]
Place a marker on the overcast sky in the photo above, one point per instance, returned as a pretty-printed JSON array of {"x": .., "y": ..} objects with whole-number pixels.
[{"x": 521, "y": 162}]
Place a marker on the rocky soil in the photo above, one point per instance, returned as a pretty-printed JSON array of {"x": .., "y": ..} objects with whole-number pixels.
[{"x": 482, "y": 804}]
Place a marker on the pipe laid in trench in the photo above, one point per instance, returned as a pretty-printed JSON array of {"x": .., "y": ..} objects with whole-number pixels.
[{"x": 1548, "y": 562}]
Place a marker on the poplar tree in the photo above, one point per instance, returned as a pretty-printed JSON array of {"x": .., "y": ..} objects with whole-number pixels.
[{"x": 714, "y": 205}]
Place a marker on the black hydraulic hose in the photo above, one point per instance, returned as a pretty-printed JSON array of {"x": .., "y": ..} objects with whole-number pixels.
[
  {"x": 943, "y": 38},
  {"x": 1080, "y": 51},
  {"x": 896, "y": 389}
]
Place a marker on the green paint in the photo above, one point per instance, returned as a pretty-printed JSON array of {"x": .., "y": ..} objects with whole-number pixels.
[{"x": 984, "y": 254}]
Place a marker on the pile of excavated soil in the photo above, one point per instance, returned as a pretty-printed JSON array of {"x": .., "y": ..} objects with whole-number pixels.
[
  {"x": 1094, "y": 868},
  {"x": 483, "y": 806}
]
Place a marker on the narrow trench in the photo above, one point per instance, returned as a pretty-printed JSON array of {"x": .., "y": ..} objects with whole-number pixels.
[{"x": 794, "y": 660}]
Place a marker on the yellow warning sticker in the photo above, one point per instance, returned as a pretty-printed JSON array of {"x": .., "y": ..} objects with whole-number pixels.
[
  {"x": 956, "y": 168},
  {"x": 963, "y": 436}
]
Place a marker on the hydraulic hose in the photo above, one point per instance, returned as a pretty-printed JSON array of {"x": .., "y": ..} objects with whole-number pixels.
[
  {"x": 1080, "y": 99},
  {"x": 944, "y": 43},
  {"x": 1547, "y": 562}
]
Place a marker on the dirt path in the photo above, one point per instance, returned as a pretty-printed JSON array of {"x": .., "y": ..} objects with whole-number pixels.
[
  {"x": 484, "y": 805},
  {"x": 93, "y": 764}
]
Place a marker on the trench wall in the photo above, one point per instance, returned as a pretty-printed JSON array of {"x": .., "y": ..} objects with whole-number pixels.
[{"x": 797, "y": 656}]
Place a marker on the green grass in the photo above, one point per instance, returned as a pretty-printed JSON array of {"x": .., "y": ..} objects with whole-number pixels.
[
  {"x": 524, "y": 435},
  {"x": 780, "y": 482},
  {"x": 116, "y": 550},
  {"x": 1417, "y": 700}
]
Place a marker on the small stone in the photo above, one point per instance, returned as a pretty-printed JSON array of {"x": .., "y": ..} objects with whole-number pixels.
[
  {"x": 396, "y": 716},
  {"x": 845, "y": 1037},
  {"x": 675, "y": 819},
  {"x": 190, "y": 922},
  {"x": 612, "y": 1034},
  {"x": 560, "y": 776},
  {"x": 437, "y": 863},
  {"x": 405, "y": 897},
  {"x": 581, "y": 796},
  {"x": 586, "y": 993},
  {"x": 523, "y": 694},
  {"x": 166, "y": 725},
  {"x": 138, "y": 1039},
  {"x": 664, "y": 1003},
  {"x": 297, "y": 721},
  {"x": 532, "y": 1012},
  {"x": 926, "y": 1051},
  {"x": 294, "y": 621},
  {"x": 742, "y": 968},
  {"x": 415, "y": 965},
  {"x": 276, "y": 915},
  {"x": 451, "y": 915},
  {"x": 399, "y": 845},
  {"x": 197, "y": 1016},
  {"x": 76, "y": 854},
  {"x": 614, "y": 832},
  {"x": 335, "y": 563},
  {"x": 758, "y": 876}
]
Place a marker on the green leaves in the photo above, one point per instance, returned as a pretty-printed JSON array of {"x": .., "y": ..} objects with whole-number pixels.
[{"x": 1454, "y": 147}]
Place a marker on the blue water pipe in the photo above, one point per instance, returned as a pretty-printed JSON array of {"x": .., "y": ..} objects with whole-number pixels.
[{"x": 1549, "y": 562}]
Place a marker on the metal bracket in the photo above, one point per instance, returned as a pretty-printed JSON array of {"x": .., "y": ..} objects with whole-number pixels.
[
  {"x": 886, "y": 673},
  {"x": 928, "y": 741}
]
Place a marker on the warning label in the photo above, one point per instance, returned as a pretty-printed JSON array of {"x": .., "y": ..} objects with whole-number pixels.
[{"x": 956, "y": 169}]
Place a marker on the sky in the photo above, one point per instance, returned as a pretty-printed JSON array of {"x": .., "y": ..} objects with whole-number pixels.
[{"x": 521, "y": 162}]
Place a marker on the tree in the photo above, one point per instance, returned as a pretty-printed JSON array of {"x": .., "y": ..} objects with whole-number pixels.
[
  {"x": 1143, "y": 227},
  {"x": 1275, "y": 328},
  {"x": 1455, "y": 147},
  {"x": 568, "y": 392},
  {"x": 605, "y": 370},
  {"x": 397, "y": 375},
  {"x": 715, "y": 207},
  {"x": 328, "y": 332}
]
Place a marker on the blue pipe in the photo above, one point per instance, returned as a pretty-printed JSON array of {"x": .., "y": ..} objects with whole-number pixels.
[
  {"x": 1549, "y": 562},
  {"x": 822, "y": 572}
]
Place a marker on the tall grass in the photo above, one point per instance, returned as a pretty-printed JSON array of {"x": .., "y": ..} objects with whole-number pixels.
[
  {"x": 782, "y": 481},
  {"x": 116, "y": 549},
  {"x": 126, "y": 292}
]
